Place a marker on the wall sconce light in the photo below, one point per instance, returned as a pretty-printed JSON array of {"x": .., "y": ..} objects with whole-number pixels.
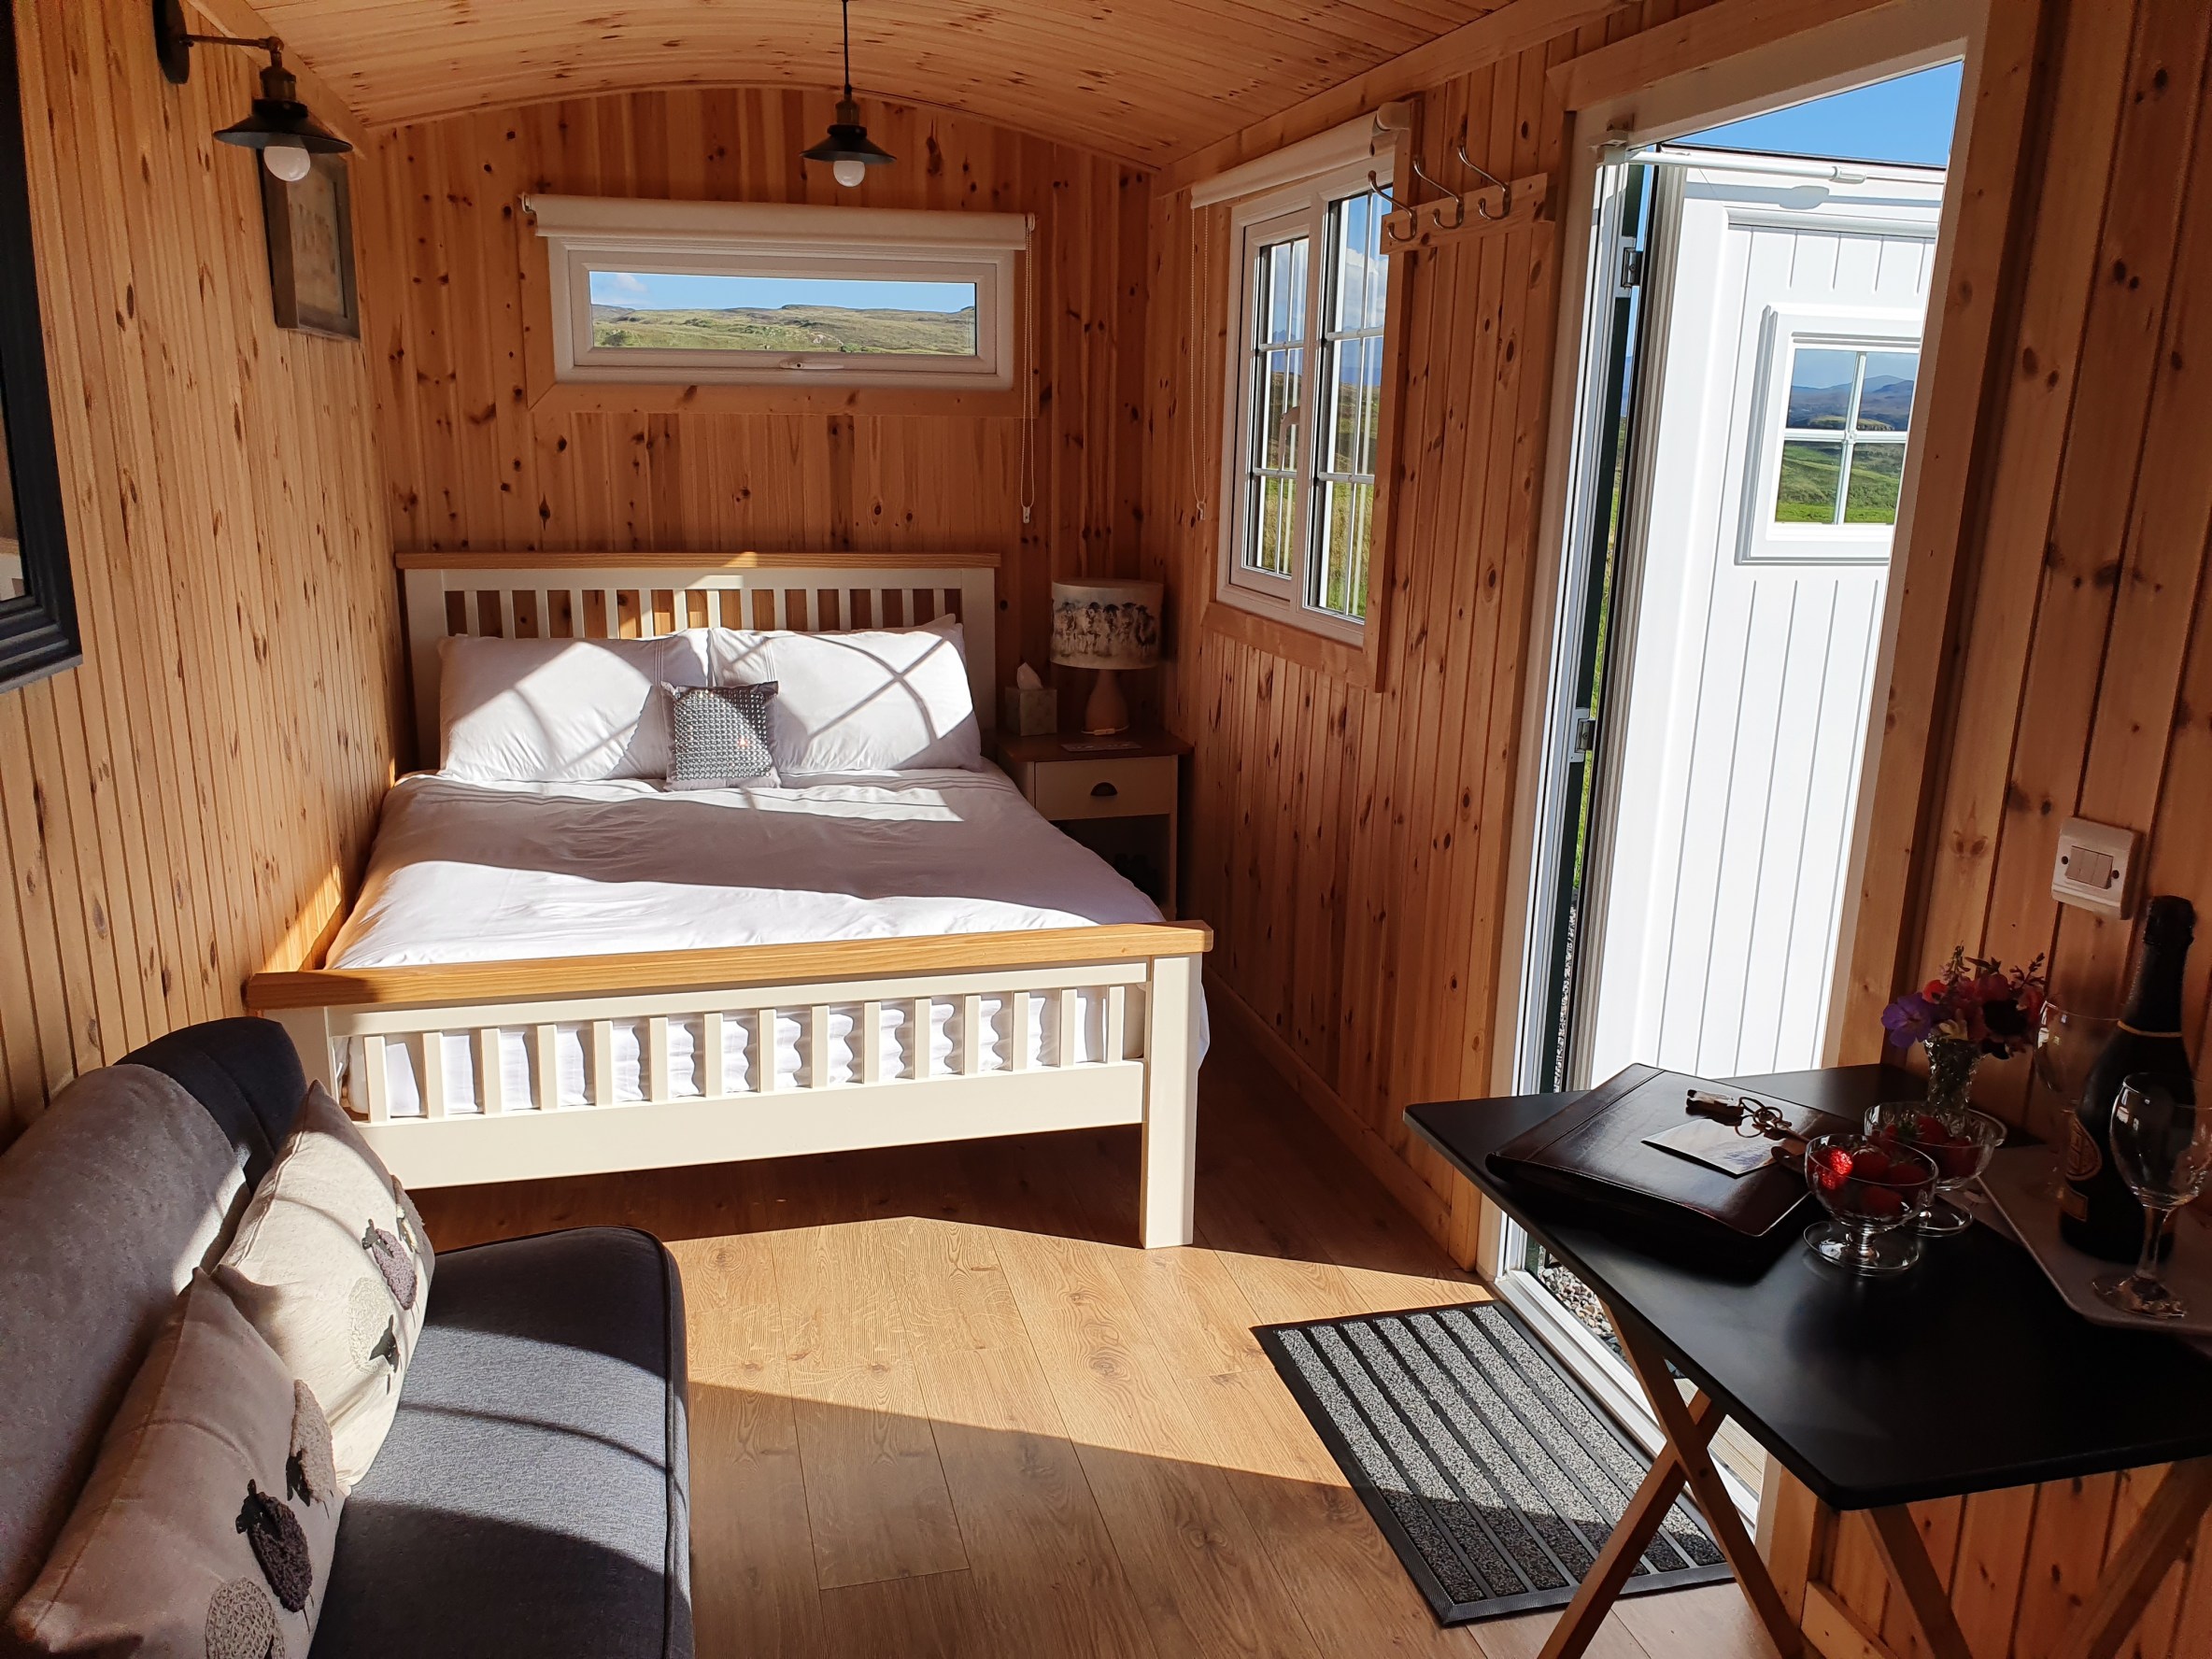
[
  {"x": 280, "y": 127},
  {"x": 847, "y": 149}
]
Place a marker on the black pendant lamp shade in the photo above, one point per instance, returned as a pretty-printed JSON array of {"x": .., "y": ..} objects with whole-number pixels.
[
  {"x": 848, "y": 148},
  {"x": 279, "y": 117}
]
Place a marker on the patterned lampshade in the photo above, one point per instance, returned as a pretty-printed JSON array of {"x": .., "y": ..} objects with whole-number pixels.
[{"x": 1107, "y": 622}]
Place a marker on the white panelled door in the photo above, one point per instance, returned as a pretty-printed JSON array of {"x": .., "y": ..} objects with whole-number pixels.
[{"x": 1789, "y": 355}]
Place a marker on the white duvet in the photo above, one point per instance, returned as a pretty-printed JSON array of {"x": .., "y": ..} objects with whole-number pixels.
[{"x": 471, "y": 872}]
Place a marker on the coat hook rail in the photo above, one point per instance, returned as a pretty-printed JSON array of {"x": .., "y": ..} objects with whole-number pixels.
[{"x": 1500, "y": 205}]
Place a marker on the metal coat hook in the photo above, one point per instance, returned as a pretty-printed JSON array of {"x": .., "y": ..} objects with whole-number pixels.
[
  {"x": 1436, "y": 212},
  {"x": 1399, "y": 225},
  {"x": 1505, "y": 191}
]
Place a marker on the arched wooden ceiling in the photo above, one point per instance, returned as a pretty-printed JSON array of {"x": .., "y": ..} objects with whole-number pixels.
[{"x": 1144, "y": 80}]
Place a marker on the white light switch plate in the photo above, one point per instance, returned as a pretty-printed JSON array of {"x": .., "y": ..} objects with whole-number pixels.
[{"x": 2094, "y": 868}]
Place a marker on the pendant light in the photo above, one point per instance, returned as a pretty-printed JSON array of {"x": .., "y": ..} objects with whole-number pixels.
[
  {"x": 279, "y": 126},
  {"x": 847, "y": 149}
]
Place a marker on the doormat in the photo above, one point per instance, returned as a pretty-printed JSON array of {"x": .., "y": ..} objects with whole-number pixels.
[{"x": 1494, "y": 1476}]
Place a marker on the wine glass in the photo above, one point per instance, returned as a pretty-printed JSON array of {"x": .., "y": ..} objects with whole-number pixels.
[
  {"x": 1872, "y": 1191},
  {"x": 1957, "y": 1143},
  {"x": 2161, "y": 1145},
  {"x": 2068, "y": 1044}
]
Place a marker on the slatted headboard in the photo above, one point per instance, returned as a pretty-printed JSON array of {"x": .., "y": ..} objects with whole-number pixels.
[{"x": 642, "y": 595}]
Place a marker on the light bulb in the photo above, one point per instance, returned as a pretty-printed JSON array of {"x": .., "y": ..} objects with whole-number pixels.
[
  {"x": 849, "y": 172},
  {"x": 288, "y": 162}
]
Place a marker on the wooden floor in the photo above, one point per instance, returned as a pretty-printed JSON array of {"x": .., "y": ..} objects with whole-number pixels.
[{"x": 942, "y": 1406}]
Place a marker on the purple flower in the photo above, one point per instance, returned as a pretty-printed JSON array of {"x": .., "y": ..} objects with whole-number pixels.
[{"x": 1908, "y": 1020}]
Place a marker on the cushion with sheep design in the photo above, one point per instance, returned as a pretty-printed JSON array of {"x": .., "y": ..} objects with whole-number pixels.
[
  {"x": 332, "y": 1265},
  {"x": 211, "y": 1516}
]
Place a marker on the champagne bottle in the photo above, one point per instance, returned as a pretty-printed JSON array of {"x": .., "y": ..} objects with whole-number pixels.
[{"x": 2096, "y": 1210}]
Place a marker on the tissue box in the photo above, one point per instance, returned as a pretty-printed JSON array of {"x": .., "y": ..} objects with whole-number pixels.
[{"x": 1029, "y": 713}]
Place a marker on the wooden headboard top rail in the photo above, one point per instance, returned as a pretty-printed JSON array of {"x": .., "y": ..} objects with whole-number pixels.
[{"x": 642, "y": 595}]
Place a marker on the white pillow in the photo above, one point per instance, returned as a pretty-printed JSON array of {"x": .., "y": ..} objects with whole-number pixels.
[
  {"x": 559, "y": 711},
  {"x": 892, "y": 700}
]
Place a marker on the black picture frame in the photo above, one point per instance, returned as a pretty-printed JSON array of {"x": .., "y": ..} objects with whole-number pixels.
[
  {"x": 38, "y": 632},
  {"x": 309, "y": 226}
]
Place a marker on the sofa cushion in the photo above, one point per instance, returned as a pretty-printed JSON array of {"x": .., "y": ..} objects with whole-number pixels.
[
  {"x": 245, "y": 1072},
  {"x": 531, "y": 1498},
  {"x": 332, "y": 1265},
  {"x": 206, "y": 1529},
  {"x": 109, "y": 1202}
]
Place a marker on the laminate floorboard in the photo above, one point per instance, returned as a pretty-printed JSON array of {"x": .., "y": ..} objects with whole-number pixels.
[{"x": 942, "y": 1406}]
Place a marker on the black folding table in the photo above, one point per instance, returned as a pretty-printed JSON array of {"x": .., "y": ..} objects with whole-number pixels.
[{"x": 1836, "y": 1375}]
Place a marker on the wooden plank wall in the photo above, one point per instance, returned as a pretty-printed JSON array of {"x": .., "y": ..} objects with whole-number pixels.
[
  {"x": 449, "y": 268},
  {"x": 1350, "y": 846},
  {"x": 2082, "y": 684},
  {"x": 186, "y": 808}
]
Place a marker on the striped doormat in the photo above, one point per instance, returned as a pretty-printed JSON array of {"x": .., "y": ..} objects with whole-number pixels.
[{"x": 1495, "y": 1477}]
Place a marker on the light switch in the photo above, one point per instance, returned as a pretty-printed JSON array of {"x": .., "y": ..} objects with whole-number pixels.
[{"x": 2095, "y": 864}]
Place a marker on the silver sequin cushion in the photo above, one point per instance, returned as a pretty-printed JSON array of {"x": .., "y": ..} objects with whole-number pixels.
[{"x": 718, "y": 736}]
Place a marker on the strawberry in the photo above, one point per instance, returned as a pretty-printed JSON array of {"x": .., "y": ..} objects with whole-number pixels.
[
  {"x": 1954, "y": 1159},
  {"x": 1882, "y": 1203},
  {"x": 1927, "y": 1125},
  {"x": 1830, "y": 1168},
  {"x": 1871, "y": 1163}
]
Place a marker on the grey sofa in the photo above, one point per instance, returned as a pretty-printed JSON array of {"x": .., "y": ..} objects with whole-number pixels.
[{"x": 532, "y": 1496}]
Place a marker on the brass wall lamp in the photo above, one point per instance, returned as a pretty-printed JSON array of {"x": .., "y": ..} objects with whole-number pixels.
[{"x": 280, "y": 127}]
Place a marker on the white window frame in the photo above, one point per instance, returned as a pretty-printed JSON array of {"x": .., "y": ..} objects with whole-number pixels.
[
  {"x": 1762, "y": 540},
  {"x": 1299, "y": 208},
  {"x": 586, "y": 233}
]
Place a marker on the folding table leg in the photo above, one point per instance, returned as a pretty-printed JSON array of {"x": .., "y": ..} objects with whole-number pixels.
[
  {"x": 1601, "y": 1585},
  {"x": 2161, "y": 1534},
  {"x": 1688, "y": 1438},
  {"x": 1897, "y": 1540}
]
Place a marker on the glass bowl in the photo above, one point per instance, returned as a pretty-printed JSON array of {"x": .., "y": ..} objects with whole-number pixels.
[
  {"x": 1873, "y": 1193},
  {"x": 1957, "y": 1143}
]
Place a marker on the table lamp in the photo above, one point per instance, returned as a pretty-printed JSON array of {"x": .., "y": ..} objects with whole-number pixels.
[{"x": 1109, "y": 623}]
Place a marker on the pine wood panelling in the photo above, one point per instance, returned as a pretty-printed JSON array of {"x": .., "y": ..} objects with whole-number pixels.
[
  {"x": 1349, "y": 845},
  {"x": 1143, "y": 80},
  {"x": 2080, "y": 683},
  {"x": 454, "y": 275},
  {"x": 185, "y": 808}
]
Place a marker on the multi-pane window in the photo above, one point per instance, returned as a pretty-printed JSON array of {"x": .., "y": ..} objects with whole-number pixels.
[
  {"x": 1308, "y": 365},
  {"x": 1845, "y": 423},
  {"x": 1830, "y": 462}
]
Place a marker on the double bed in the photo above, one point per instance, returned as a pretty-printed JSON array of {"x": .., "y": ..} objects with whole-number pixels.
[{"x": 559, "y": 977}]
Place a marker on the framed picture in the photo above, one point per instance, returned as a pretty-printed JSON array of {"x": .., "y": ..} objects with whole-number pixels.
[
  {"x": 310, "y": 228},
  {"x": 38, "y": 633}
]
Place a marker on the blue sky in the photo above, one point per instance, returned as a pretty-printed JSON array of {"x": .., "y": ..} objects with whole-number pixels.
[
  {"x": 1909, "y": 118},
  {"x": 648, "y": 290}
]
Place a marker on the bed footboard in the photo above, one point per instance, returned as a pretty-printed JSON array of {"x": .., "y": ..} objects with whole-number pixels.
[{"x": 518, "y": 1071}]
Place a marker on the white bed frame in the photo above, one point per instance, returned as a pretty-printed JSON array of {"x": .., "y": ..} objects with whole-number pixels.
[{"x": 1147, "y": 1074}]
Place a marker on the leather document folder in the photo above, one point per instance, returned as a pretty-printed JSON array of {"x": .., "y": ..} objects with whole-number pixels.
[{"x": 1596, "y": 1153}]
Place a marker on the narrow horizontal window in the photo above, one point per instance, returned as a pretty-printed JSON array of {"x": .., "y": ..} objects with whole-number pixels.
[{"x": 722, "y": 293}]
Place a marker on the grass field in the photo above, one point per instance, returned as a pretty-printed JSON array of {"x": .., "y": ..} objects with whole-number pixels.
[
  {"x": 1807, "y": 491},
  {"x": 787, "y": 328}
]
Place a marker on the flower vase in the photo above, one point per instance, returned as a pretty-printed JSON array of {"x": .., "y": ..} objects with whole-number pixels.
[{"x": 1951, "y": 1073}]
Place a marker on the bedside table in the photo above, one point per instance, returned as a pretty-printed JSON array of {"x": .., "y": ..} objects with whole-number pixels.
[{"x": 1116, "y": 795}]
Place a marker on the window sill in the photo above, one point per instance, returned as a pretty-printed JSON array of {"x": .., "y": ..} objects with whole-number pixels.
[
  {"x": 1355, "y": 665},
  {"x": 600, "y": 397}
]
